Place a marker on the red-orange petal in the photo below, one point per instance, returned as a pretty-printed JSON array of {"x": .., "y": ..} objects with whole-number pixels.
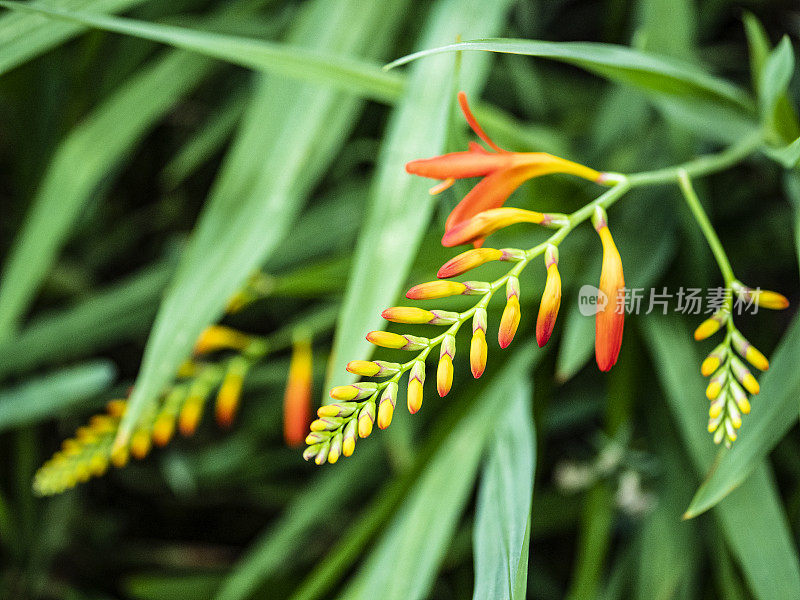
[
  {"x": 475, "y": 162},
  {"x": 610, "y": 320},
  {"x": 548, "y": 309},
  {"x": 297, "y": 399}
]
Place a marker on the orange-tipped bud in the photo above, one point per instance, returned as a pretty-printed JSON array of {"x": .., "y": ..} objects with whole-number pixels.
[
  {"x": 468, "y": 260},
  {"x": 478, "y": 350},
  {"x": 408, "y": 315},
  {"x": 610, "y": 319},
  {"x": 551, "y": 298},
  {"x": 436, "y": 289},
  {"x": 365, "y": 368},
  {"x": 230, "y": 392},
  {"x": 349, "y": 437},
  {"x": 762, "y": 298},
  {"x": 366, "y": 419},
  {"x": 297, "y": 397},
  {"x": 163, "y": 429},
  {"x": 335, "y": 450},
  {"x": 511, "y": 314},
  {"x": 395, "y": 341},
  {"x": 716, "y": 384},
  {"x": 140, "y": 444},
  {"x": 416, "y": 380},
  {"x": 218, "y": 337},
  {"x": 768, "y": 299},
  {"x": 444, "y": 372},
  {"x": 713, "y": 360},
  {"x": 711, "y": 325},
  {"x": 373, "y": 368},
  {"x": 475, "y": 229},
  {"x": 190, "y": 414},
  {"x": 744, "y": 376},
  {"x": 740, "y": 397},
  {"x": 387, "y": 404},
  {"x": 116, "y": 408},
  {"x": 119, "y": 456},
  {"x": 749, "y": 352},
  {"x": 355, "y": 391}
]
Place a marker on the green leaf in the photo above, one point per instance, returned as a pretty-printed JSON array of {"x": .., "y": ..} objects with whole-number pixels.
[
  {"x": 788, "y": 156},
  {"x": 289, "y": 136},
  {"x": 87, "y": 155},
  {"x": 406, "y": 559},
  {"x": 400, "y": 206},
  {"x": 663, "y": 76},
  {"x": 125, "y": 309},
  {"x": 751, "y": 518},
  {"x": 42, "y": 397},
  {"x": 758, "y": 46},
  {"x": 330, "y": 66},
  {"x": 774, "y": 413},
  {"x": 25, "y": 36},
  {"x": 775, "y": 77},
  {"x": 503, "y": 511}
]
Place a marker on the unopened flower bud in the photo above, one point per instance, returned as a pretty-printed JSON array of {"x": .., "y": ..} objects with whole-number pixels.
[
  {"x": 711, "y": 325},
  {"x": 354, "y": 391},
  {"x": 511, "y": 314},
  {"x": 715, "y": 385},
  {"x": 395, "y": 341},
  {"x": 713, "y": 360},
  {"x": 219, "y": 337},
  {"x": 416, "y": 380},
  {"x": 335, "y": 450},
  {"x": 468, "y": 260},
  {"x": 366, "y": 418},
  {"x": 387, "y": 404},
  {"x": 436, "y": 289},
  {"x": 740, "y": 397},
  {"x": 749, "y": 352},
  {"x": 337, "y": 409},
  {"x": 349, "y": 437},
  {"x": 744, "y": 376},
  {"x": 444, "y": 372}
]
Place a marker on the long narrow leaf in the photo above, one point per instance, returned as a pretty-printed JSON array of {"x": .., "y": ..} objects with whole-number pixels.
[
  {"x": 503, "y": 512},
  {"x": 25, "y": 36},
  {"x": 656, "y": 74}
]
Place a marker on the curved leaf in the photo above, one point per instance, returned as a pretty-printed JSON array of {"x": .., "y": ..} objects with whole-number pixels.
[{"x": 663, "y": 76}]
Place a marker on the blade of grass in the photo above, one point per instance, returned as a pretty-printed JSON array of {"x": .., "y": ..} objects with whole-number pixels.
[
  {"x": 288, "y": 138},
  {"x": 92, "y": 150},
  {"x": 293, "y": 60},
  {"x": 763, "y": 547},
  {"x": 42, "y": 397},
  {"x": 400, "y": 206},
  {"x": 501, "y": 533},
  {"x": 123, "y": 311},
  {"x": 25, "y": 36}
]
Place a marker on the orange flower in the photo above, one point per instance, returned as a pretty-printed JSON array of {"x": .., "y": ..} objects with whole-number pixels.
[
  {"x": 297, "y": 398},
  {"x": 611, "y": 316},
  {"x": 502, "y": 171},
  {"x": 551, "y": 298}
]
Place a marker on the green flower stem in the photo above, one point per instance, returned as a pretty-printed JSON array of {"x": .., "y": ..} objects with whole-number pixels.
[{"x": 705, "y": 225}]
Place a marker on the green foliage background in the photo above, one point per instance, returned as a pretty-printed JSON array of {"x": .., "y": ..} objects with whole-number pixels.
[{"x": 151, "y": 163}]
